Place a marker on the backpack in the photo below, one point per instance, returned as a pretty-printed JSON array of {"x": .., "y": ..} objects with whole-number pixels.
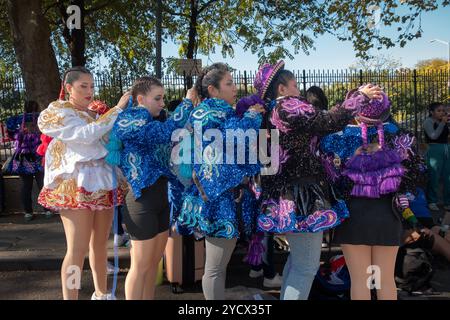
[
  {"x": 413, "y": 269},
  {"x": 332, "y": 281}
]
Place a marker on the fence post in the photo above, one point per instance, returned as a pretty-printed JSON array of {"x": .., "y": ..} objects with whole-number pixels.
[
  {"x": 304, "y": 82},
  {"x": 245, "y": 82},
  {"x": 360, "y": 77},
  {"x": 184, "y": 82},
  {"x": 415, "y": 104}
]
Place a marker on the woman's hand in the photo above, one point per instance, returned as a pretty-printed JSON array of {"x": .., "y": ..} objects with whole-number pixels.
[
  {"x": 257, "y": 108},
  {"x": 123, "y": 102},
  {"x": 372, "y": 91},
  {"x": 192, "y": 95},
  {"x": 412, "y": 237}
]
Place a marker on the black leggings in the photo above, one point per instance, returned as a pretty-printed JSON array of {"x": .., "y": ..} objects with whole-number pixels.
[{"x": 27, "y": 189}]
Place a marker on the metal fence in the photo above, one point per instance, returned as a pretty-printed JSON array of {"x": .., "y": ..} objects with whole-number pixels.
[{"x": 410, "y": 91}]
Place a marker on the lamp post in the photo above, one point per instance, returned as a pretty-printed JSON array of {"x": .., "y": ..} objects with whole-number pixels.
[{"x": 447, "y": 43}]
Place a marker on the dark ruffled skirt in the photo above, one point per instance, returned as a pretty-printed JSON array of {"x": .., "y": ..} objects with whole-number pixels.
[{"x": 302, "y": 208}]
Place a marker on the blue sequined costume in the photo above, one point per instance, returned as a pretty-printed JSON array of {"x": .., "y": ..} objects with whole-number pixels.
[
  {"x": 146, "y": 144},
  {"x": 297, "y": 198},
  {"x": 218, "y": 217}
]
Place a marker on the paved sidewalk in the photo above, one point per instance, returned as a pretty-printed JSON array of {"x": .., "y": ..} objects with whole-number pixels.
[
  {"x": 36, "y": 245},
  {"x": 37, "y": 248}
]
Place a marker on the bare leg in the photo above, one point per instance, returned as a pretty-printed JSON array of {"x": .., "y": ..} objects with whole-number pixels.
[
  {"x": 77, "y": 227},
  {"x": 384, "y": 257},
  {"x": 98, "y": 251},
  {"x": 145, "y": 256},
  {"x": 358, "y": 259},
  {"x": 150, "y": 278}
]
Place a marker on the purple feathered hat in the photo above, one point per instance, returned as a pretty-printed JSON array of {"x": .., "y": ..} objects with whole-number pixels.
[
  {"x": 375, "y": 111},
  {"x": 265, "y": 75},
  {"x": 245, "y": 103}
]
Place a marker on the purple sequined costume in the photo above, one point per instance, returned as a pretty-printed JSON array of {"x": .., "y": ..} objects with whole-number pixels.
[{"x": 297, "y": 198}]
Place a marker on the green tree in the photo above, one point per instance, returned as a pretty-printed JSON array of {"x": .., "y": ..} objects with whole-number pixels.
[
  {"x": 122, "y": 32},
  {"x": 265, "y": 26},
  {"x": 112, "y": 30}
]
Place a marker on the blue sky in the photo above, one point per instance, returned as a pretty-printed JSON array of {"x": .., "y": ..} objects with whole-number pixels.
[{"x": 333, "y": 54}]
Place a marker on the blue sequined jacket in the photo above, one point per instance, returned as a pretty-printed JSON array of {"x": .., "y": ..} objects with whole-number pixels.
[
  {"x": 146, "y": 144},
  {"x": 218, "y": 216}
]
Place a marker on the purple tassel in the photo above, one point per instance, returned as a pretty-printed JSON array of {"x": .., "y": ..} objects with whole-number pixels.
[
  {"x": 390, "y": 184},
  {"x": 374, "y": 177},
  {"x": 371, "y": 162},
  {"x": 364, "y": 134},
  {"x": 256, "y": 250},
  {"x": 375, "y": 174},
  {"x": 380, "y": 135},
  {"x": 365, "y": 191}
]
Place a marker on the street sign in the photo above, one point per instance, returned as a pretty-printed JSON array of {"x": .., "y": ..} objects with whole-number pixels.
[{"x": 189, "y": 67}]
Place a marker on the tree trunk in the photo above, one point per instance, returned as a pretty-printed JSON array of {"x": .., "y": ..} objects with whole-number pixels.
[
  {"x": 37, "y": 60},
  {"x": 158, "y": 59},
  {"x": 191, "y": 49},
  {"x": 78, "y": 37}
]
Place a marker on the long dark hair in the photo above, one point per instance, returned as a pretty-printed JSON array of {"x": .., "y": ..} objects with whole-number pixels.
[
  {"x": 317, "y": 98},
  {"x": 282, "y": 77},
  {"x": 210, "y": 76},
  {"x": 433, "y": 106},
  {"x": 70, "y": 76}
]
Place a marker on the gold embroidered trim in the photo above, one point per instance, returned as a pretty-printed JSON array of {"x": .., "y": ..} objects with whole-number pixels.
[
  {"x": 50, "y": 119},
  {"x": 106, "y": 118},
  {"x": 57, "y": 151}
]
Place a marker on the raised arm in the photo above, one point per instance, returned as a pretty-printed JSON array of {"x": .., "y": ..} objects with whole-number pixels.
[
  {"x": 428, "y": 126},
  {"x": 70, "y": 125}
]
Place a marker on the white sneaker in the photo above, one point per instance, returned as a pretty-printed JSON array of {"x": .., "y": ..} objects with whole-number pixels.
[
  {"x": 256, "y": 274},
  {"x": 48, "y": 214},
  {"x": 433, "y": 207},
  {"x": 121, "y": 240},
  {"x": 110, "y": 268},
  {"x": 28, "y": 217},
  {"x": 107, "y": 296},
  {"x": 275, "y": 282}
]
